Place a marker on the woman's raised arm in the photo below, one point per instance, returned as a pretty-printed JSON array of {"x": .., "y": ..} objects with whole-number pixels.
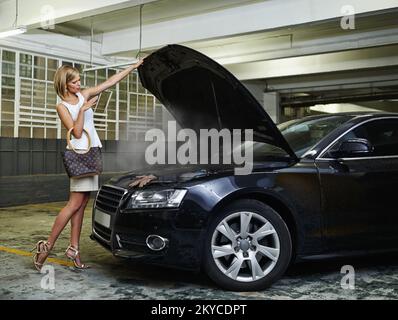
[{"x": 93, "y": 91}]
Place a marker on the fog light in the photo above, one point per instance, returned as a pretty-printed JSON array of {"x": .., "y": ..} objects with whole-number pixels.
[{"x": 156, "y": 243}]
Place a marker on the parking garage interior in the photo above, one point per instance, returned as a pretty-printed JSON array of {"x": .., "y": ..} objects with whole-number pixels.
[{"x": 297, "y": 58}]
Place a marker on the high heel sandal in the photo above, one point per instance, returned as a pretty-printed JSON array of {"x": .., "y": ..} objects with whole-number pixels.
[
  {"x": 41, "y": 247},
  {"x": 74, "y": 257}
]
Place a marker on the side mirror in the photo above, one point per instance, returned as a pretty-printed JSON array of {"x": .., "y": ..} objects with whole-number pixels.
[{"x": 355, "y": 147}]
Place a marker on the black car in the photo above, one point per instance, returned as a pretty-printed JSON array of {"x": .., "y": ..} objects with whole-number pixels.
[{"x": 322, "y": 186}]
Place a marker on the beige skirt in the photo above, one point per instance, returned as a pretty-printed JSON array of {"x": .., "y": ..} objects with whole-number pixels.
[{"x": 84, "y": 184}]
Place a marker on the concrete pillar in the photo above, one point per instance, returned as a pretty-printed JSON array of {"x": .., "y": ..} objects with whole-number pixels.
[
  {"x": 256, "y": 88},
  {"x": 271, "y": 105}
]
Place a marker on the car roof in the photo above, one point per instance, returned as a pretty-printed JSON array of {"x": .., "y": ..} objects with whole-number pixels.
[{"x": 354, "y": 115}]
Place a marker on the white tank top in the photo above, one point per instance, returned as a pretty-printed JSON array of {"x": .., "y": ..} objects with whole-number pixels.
[{"x": 73, "y": 109}]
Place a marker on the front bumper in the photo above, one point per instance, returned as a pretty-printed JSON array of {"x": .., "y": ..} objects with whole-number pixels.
[{"x": 124, "y": 233}]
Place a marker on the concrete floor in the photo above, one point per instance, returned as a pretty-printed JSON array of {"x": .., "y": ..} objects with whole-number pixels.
[{"x": 112, "y": 278}]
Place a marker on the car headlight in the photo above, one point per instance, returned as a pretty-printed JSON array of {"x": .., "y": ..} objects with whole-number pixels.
[{"x": 156, "y": 199}]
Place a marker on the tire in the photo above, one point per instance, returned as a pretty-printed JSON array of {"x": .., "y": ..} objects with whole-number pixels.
[{"x": 230, "y": 253}]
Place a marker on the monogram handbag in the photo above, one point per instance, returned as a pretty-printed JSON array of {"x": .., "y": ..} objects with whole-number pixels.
[{"x": 81, "y": 163}]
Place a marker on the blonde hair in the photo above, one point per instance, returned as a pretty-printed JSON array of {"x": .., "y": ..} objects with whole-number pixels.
[{"x": 63, "y": 75}]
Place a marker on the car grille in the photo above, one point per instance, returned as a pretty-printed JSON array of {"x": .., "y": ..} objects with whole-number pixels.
[
  {"x": 108, "y": 198},
  {"x": 102, "y": 231}
]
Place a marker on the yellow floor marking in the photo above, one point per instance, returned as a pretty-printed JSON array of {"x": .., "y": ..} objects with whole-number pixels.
[{"x": 30, "y": 254}]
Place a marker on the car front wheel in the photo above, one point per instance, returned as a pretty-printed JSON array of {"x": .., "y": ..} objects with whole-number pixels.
[{"x": 248, "y": 247}]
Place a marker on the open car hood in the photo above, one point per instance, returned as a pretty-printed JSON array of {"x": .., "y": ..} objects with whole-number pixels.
[{"x": 201, "y": 94}]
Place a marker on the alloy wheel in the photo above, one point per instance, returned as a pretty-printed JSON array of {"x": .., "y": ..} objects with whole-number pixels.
[{"x": 245, "y": 246}]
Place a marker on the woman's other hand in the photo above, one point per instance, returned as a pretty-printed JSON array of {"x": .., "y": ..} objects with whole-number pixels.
[
  {"x": 88, "y": 104},
  {"x": 142, "y": 180}
]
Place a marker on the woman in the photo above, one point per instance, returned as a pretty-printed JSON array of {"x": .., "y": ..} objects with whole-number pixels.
[{"x": 75, "y": 111}]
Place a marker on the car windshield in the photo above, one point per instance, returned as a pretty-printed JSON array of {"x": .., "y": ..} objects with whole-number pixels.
[{"x": 301, "y": 134}]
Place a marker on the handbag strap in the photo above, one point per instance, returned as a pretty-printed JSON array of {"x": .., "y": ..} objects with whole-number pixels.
[{"x": 68, "y": 141}]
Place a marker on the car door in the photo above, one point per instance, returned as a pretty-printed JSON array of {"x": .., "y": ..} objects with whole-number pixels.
[{"x": 360, "y": 193}]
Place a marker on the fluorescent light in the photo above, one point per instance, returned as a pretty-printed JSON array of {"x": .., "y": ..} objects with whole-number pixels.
[
  {"x": 341, "y": 107},
  {"x": 13, "y": 32}
]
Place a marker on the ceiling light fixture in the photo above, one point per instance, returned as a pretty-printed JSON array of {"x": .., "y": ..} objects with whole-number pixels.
[
  {"x": 16, "y": 30},
  {"x": 13, "y": 32}
]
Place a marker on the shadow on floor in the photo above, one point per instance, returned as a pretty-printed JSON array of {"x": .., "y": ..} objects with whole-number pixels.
[
  {"x": 164, "y": 276},
  {"x": 374, "y": 261}
]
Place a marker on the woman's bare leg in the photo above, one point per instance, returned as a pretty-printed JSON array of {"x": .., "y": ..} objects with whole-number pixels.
[
  {"x": 77, "y": 222},
  {"x": 76, "y": 226},
  {"x": 73, "y": 205}
]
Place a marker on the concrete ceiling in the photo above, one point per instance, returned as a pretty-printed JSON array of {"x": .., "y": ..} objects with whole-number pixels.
[
  {"x": 154, "y": 12},
  {"x": 118, "y": 30}
]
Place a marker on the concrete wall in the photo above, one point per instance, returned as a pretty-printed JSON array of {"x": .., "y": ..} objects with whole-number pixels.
[
  {"x": 31, "y": 170},
  {"x": 22, "y": 156},
  {"x": 19, "y": 190}
]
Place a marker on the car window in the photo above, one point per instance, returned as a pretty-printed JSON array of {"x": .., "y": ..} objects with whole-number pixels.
[
  {"x": 303, "y": 134},
  {"x": 382, "y": 135},
  {"x": 300, "y": 134}
]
